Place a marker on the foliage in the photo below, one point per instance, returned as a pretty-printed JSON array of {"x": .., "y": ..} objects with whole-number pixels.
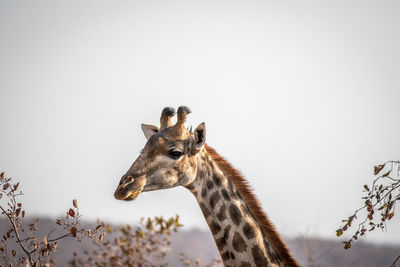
[
  {"x": 380, "y": 201},
  {"x": 35, "y": 251},
  {"x": 196, "y": 263},
  {"x": 145, "y": 245}
]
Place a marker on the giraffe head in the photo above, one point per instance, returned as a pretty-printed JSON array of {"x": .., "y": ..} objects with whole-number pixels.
[{"x": 168, "y": 159}]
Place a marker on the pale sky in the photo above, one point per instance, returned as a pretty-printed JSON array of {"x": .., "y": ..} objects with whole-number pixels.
[{"x": 301, "y": 96}]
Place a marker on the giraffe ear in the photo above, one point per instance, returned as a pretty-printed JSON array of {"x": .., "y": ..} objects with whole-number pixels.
[
  {"x": 149, "y": 130},
  {"x": 199, "y": 136}
]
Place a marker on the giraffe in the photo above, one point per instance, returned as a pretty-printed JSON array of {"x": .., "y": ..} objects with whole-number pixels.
[{"x": 175, "y": 156}]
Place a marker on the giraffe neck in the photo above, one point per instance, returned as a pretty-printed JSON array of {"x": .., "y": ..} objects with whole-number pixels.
[{"x": 237, "y": 234}]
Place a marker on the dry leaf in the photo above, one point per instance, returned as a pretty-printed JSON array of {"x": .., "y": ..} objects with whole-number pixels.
[
  {"x": 73, "y": 231},
  {"x": 339, "y": 232},
  {"x": 378, "y": 168},
  {"x": 5, "y": 186},
  {"x": 102, "y": 236},
  {"x": 71, "y": 213},
  {"x": 75, "y": 203}
]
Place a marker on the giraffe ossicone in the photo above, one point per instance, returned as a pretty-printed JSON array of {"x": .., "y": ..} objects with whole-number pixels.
[{"x": 175, "y": 156}]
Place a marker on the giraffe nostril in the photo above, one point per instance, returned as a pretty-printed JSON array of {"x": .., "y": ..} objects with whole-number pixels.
[
  {"x": 126, "y": 180},
  {"x": 129, "y": 179}
]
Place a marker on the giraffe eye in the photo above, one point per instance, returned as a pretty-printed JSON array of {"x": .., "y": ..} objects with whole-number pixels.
[{"x": 174, "y": 154}]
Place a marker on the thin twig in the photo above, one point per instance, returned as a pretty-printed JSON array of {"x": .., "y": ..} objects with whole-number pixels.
[
  {"x": 58, "y": 238},
  {"x": 394, "y": 263},
  {"x": 17, "y": 236}
]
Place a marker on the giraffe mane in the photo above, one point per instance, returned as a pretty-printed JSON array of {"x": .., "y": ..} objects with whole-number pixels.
[{"x": 254, "y": 205}]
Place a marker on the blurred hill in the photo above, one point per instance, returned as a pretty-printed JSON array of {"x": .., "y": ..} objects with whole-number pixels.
[{"x": 197, "y": 244}]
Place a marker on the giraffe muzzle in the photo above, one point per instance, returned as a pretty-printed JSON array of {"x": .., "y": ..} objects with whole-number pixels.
[{"x": 130, "y": 188}]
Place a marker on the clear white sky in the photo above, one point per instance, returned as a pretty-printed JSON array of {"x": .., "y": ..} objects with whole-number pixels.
[{"x": 301, "y": 96}]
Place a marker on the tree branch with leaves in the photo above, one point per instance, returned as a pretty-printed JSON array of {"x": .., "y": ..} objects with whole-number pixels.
[
  {"x": 36, "y": 251},
  {"x": 379, "y": 203},
  {"x": 145, "y": 245}
]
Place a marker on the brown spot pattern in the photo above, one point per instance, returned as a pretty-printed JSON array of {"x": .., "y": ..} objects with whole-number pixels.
[
  {"x": 235, "y": 213},
  {"x": 217, "y": 180},
  {"x": 201, "y": 173},
  {"x": 214, "y": 199},
  {"x": 210, "y": 185},
  {"x": 226, "y": 232},
  {"x": 225, "y": 194},
  {"x": 245, "y": 264},
  {"x": 204, "y": 192},
  {"x": 258, "y": 256},
  {"x": 204, "y": 209},
  {"x": 225, "y": 256},
  {"x": 190, "y": 186},
  {"x": 248, "y": 231},
  {"x": 215, "y": 227},
  {"x": 222, "y": 213},
  {"x": 254, "y": 206},
  {"x": 238, "y": 242},
  {"x": 221, "y": 243}
]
